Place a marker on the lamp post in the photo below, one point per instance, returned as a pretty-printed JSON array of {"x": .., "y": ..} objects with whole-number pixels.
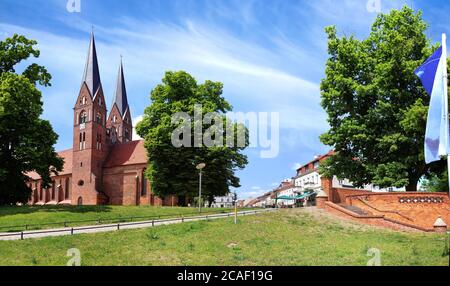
[
  {"x": 200, "y": 167},
  {"x": 235, "y": 207}
]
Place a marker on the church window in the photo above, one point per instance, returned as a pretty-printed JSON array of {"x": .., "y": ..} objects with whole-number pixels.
[
  {"x": 100, "y": 101},
  {"x": 83, "y": 100},
  {"x": 114, "y": 119},
  {"x": 67, "y": 189},
  {"x": 83, "y": 117},
  {"x": 98, "y": 118},
  {"x": 126, "y": 134},
  {"x": 53, "y": 190},
  {"x": 144, "y": 184},
  {"x": 82, "y": 141},
  {"x": 99, "y": 142}
]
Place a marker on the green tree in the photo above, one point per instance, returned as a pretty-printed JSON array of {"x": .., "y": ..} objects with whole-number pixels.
[
  {"x": 26, "y": 141},
  {"x": 436, "y": 182},
  {"x": 172, "y": 169},
  {"x": 376, "y": 105}
]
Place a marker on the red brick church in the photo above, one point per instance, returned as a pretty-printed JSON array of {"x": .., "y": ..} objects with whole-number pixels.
[{"x": 105, "y": 165}]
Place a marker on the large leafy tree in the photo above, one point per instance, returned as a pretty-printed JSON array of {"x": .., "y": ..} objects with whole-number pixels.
[
  {"x": 376, "y": 105},
  {"x": 171, "y": 168},
  {"x": 26, "y": 141}
]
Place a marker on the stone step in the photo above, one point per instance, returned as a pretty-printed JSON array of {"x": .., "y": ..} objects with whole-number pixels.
[{"x": 354, "y": 209}]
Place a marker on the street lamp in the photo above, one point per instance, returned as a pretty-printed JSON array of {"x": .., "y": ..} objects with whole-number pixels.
[{"x": 200, "y": 167}]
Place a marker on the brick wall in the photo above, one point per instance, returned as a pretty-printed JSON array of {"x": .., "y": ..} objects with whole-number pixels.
[
  {"x": 420, "y": 209},
  {"x": 401, "y": 210}
]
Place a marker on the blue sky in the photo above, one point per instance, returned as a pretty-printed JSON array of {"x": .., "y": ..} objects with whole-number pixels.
[{"x": 270, "y": 55}]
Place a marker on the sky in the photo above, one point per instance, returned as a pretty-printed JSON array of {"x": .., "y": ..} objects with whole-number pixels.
[{"x": 269, "y": 54}]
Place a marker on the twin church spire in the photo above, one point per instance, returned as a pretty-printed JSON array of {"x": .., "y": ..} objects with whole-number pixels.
[
  {"x": 119, "y": 119},
  {"x": 91, "y": 71},
  {"x": 120, "y": 98}
]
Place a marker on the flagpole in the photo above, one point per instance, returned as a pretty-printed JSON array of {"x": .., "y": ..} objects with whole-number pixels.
[{"x": 444, "y": 52}]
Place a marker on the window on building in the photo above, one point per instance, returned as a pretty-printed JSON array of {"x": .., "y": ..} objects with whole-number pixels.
[
  {"x": 144, "y": 184},
  {"x": 66, "y": 189},
  {"x": 100, "y": 101},
  {"x": 83, "y": 141},
  {"x": 53, "y": 191},
  {"x": 114, "y": 119},
  {"x": 83, "y": 117},
  {"x": 98, "y": 118},
  {"x": 127, "y": 133},
  {"x": 83, "y": 100},
  {"x": 99, "y": 142}
]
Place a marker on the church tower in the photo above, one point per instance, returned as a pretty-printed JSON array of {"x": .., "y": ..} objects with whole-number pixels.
[
  {"x": 119, "y": 121},
  {"x": 90, "y": 146}
]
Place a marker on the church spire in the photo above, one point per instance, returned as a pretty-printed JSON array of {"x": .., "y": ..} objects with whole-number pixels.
[
  {"x": 91, "y": 72},
  {"x": 120, "y": 97}
]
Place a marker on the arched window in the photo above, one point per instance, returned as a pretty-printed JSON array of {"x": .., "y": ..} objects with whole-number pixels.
[
  {"x": 66, "y": 189},
  {"x": 53, "y": 191},
  {"x": 83, "y": 117},
  {"x": 127, "y": 133},
  {"x": 144, "y": 184},
  {"x": 80, "y": 201},
  {"x": 98, "y": 118},
  {"x": 83, "y": 141},
  {"x": 114, "y": 119},
  {"x": 99, "y": 142}
]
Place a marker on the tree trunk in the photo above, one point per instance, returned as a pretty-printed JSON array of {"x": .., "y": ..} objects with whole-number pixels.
[{"x": 412, "y": 186}]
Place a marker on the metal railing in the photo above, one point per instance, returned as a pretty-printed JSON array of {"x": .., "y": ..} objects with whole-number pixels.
[
  {"x": 68, "y": 223},
  {"x": 153, "y": 222}
]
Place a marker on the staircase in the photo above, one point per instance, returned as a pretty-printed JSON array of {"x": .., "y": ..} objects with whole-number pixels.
[{"x": 354, "y": 209}]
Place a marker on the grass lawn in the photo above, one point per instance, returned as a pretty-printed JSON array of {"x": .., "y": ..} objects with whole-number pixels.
[
  {"x": 19, "y": 216},
  {"x": 288, "y": 237}
]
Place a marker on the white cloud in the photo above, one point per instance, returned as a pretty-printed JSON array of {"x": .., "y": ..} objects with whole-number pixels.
[
  {"x": 295, "y": 166},
  {"x": 136, "y": 120},
  {"x": 249, "y": 72}
]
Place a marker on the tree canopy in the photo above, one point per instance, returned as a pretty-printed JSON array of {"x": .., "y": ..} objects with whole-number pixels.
[
  {"x": 171, "y": 168},
  {"x": 376, "y": 105},
  {"x": 26, "y": 141}
]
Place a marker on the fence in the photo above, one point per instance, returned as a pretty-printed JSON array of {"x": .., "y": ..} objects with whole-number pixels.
[
  {"x": 110, "y": 227},
  {"x": 25, "y": 227}
]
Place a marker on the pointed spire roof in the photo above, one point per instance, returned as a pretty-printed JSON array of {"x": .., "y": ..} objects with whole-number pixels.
[
  {"x": 120, "y": 97},
  {"x": 91, "y": 72}
]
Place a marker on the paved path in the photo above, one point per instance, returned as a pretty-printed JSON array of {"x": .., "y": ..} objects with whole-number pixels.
[{"x": 119, "y": 226}]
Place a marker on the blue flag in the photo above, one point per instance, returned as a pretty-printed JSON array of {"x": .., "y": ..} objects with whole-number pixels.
[{"x": 432, "y": 74}]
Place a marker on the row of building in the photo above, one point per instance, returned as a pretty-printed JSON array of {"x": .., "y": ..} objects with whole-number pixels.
[{"x": 301, "y": 189}]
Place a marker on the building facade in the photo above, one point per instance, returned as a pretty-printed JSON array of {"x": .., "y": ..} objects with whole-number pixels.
[
  {"x": 222, "y": 202},
  {"x": 104, "y": 165},
  {"x": 308, "y": 178}
]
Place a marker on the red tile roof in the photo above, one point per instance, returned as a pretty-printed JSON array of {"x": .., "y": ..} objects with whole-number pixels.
[
  {"x": 67, "y": 155},
  {"x": 317, "y": 159},
  {"x": 129, "y": 153}
]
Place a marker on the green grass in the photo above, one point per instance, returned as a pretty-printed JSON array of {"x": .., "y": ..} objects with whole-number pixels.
[
  {"x": 288, "y": 237},
  {"x": 10, "y": 217}
]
